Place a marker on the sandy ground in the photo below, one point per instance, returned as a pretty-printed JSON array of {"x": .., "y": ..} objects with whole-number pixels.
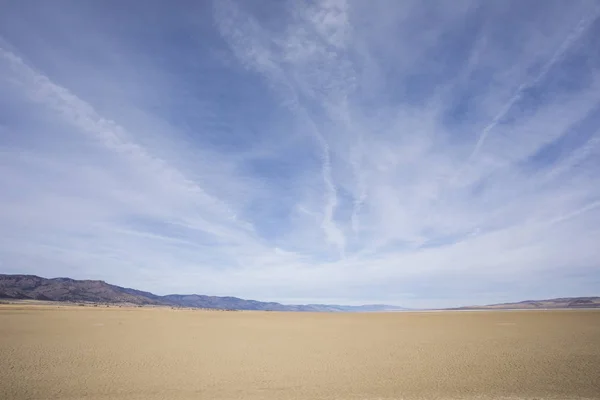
[{"x": 49, "y": 352}]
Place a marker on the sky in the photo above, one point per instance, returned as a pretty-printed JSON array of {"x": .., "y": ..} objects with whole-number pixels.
[{"x": 422, "y": 154}]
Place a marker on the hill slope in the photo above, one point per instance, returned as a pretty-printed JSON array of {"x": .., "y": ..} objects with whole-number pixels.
[
  {"x": 66, "y": 289},
  {"x": 71, "y": 290},
  {"x": 563, "y": 302}
]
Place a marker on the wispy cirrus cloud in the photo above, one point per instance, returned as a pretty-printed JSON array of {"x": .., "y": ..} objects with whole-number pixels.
[{"x": 333, "y": 151}]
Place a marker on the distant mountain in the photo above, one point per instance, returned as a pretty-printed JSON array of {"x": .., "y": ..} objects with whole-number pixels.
[
  {"x": 89, "y": 291},
  {"x": 66, "y": 289},
  {"x": 78, "y": 291},
  {"x": 563, "y": 302}
]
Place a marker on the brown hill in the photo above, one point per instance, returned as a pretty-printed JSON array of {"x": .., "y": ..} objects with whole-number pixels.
[
  {"x": 66, "y": 289},
  {"x": 71, "y": 290},
  {"x": 563, "y": 302}
]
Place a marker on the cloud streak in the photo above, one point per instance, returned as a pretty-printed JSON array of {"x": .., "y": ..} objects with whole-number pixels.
[
  {"x": 296, "y": 153},
  {"x": 581, "y": 27}
]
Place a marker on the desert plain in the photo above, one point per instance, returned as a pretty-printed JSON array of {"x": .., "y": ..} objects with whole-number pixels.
[{"x": 62, "y": 352}]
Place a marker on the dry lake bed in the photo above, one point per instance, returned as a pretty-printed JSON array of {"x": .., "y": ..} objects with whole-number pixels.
[{"x": 59, "y": 352}]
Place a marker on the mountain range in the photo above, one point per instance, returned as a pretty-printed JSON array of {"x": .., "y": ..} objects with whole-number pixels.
[
  {"x": 31, "y": 287},
  {"x": 562, "y": 302}
]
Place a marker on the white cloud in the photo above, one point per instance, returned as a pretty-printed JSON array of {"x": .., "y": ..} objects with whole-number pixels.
[{"x": 405, "y": 160}]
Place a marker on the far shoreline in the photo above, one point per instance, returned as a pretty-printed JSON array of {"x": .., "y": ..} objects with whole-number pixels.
[{"x": 132, "y": 307}]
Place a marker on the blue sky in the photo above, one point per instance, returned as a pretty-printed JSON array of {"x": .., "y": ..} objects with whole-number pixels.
[{"x": 413, "y": 153}]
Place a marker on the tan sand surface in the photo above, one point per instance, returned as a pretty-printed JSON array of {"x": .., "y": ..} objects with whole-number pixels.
[{"x": 51, "y": 352}]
